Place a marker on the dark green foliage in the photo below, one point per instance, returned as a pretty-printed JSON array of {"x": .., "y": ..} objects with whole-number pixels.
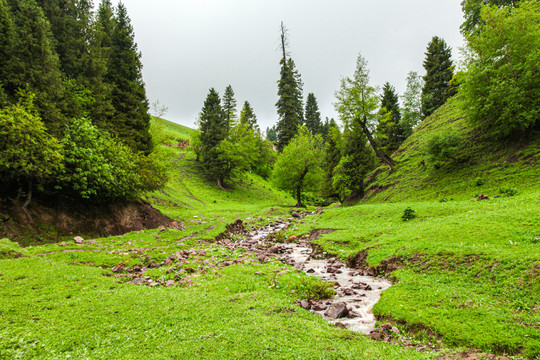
[
  {"x": 439, "y": 71},
  {"x": 408, "y": 214},
  {"x": 501, "y": 91},
  {"x": 229, "y": 106},
  {"x": 70, "y": 25},
  {"x": 34, "y": 64},
  {"x": 131, "y": 120},
  {"x": 472, "y": 9},
  {"x": 247, "y": 116},
  {"x": 390, "y": 133},
  {"x": 213, "y": 130},
  {"x": 331, "y": 159},
  {"x": 271, "y": 134},
  {"x": 7, "y": 42},
  {"x": 445, "y": 146},
  {"x": 289, "y": 105},
  {"x": 356, "y": 162},
  {"x": 312, "y": 115}
]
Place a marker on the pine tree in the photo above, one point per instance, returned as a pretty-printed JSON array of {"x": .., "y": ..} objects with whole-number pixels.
[
  {"x": 131, "y": 120},
  {"x": 7, "y": 43},
  {"x": 70, "y": 25},
  {"x": 312, "y": 115},
  {"x": 331, "y": 158},
  {"x": 271, "y": 134},
  {"x": 34, "y": 64},
  {"x": 213, "y": 130},
  {"x": 247, "y": 116},
  {"x": 390, "y": 132},
  {"x": 229, "y": 106},
  {"x": 289, "y": 105},
  {"x": 439, "y": 71}
]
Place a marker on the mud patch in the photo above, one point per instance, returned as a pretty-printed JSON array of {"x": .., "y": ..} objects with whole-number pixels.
[
  {"x": 473, "y": 354},
  {"x": 314, "y": 234},
  {"x": 236, "y": 228}
]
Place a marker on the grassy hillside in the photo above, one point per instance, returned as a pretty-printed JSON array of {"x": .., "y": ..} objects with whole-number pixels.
[{"x": 480, "y": 167}]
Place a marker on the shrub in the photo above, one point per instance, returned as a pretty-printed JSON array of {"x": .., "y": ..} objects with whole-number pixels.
[
  {"x": 443, "y": 147},
  {"x": 408, "y": 214},
  {"x": 510, "y": 191},
  {"x": 479, "y": 182},
  {"x": 100, "y": 168},
  {"x": 313, "y": 288}
]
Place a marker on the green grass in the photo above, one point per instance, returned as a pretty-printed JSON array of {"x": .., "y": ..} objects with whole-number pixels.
[
  {"x": 465, "y": 272},
  {"x": 480, "y": 167}
]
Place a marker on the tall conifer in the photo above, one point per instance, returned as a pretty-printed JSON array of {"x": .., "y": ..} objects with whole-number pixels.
[
  {"x": 131, "y": 120},
  {"x": 247, "y": 116},
  {"x": 389, "y": 129},
  {"x": 213, "y": 130},
  {"x": 229, "y": 106},
  {"x": 312, "y": 115},
  {"x": 439, "y": 71},
  {"x": 34, "y": 63}
]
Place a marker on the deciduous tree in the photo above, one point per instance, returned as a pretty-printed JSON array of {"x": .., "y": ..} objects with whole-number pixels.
[{"x": 298, "y": 167}]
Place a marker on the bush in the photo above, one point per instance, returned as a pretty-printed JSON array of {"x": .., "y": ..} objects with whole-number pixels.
[
  {"x": 510, "y": 191},
  {"x": 408, "y": 214},
  {"x": 100, "y": 168},
  {"x": 443, "y": 147},
  {"x": 313, "y": 288}
]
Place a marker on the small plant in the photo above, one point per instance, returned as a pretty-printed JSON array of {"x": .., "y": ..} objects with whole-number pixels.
[
  {"x": 443, "y": 147},
  {"x": 479, "y": 182},
  {"x": 408, "y": 214},
  {"x": 510, "y": 191},
  {"x": 278, "y": 237},
  {"x": 313, "y": 288},
  {"x": 443, "y": 200}
]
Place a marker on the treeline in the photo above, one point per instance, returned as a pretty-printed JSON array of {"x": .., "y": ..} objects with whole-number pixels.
[
  {"x": 498, "y": 90},
  {"x": 74, "y": 115}
]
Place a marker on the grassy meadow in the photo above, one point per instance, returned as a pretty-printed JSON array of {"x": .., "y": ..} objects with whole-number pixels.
[{"x": 466, "y": 273}]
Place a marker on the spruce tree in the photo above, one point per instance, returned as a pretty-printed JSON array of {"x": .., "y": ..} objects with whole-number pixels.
[
  {"x": 131, "y": 120},
  {"x": 247, "y": 116},
  {"x": 439, "y": 71},
  {"x": 7, "y": 43},
  {"x": 289, "y": 106},
  {"x": 229, "y": 106},
  {"x": 390, "y": 132},
  {"x": 331, "y": 158},
  {"x": 213, "y": 130},
  {"x": 34, "y": 64},
  {"x": 312, "y": 115}
]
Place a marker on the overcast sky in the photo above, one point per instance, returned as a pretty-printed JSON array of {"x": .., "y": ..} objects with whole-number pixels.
[{"x": 190, "y": 46}]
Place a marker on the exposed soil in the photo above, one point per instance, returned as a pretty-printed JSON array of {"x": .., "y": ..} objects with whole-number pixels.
[
  {"x": 472, "y": 354},
  {"x": 49, "y": 223}
]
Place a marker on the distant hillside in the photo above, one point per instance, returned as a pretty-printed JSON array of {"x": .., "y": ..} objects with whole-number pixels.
[
  {"x": 171, "y": 130},
  {"x": 481, "y": 167}
]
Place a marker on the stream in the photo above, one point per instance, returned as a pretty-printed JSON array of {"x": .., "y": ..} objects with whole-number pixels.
[{"x": 356, "y": 294}]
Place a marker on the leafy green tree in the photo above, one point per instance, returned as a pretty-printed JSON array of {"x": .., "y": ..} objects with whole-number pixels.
[
  {"x": 389, "y": 131},
  {"x": 213, "y": 130},
  {"x": 131, "y": 120},
  {"x": 298, "y": 167},
  {"x": 312, "y": 115},
  {"x": 239, "y": 150},
  {"x": 247, "y": 116},
  {"x": 34, "y": 64},
  {"x": 28, "y": 153},
  {"x": 355, "y": 163},
  {"x": 229, "y": 106},
  {"x": 332, "y": 156},
  {"x": 7, "y": 43},
  {"x": 357, "y": 104},
  {"x": 101, "y": 169},
  {"x": 412, "y": 103},
  {"x": 501, "y": 91},
  {"x": 439, "y": 71},
  {"x": 289, "y": 105},
  {"x": 472, "y": 9}
]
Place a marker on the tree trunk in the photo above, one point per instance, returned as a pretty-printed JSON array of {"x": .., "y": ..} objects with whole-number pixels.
[
  {"x": 27, "y": 202},
  {"x": 299, "y": 190},
  {"x": 378, "y": 151},
  {"x": 220, "y": 183}
]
